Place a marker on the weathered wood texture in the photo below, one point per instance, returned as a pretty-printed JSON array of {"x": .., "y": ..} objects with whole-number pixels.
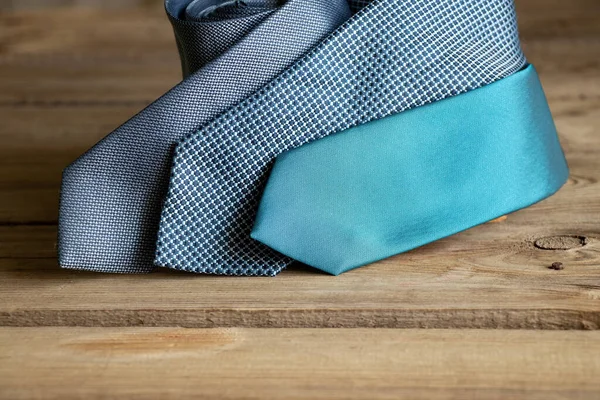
[
  {"x": 148, "y": 363},
  {"x": 69, "y": 76},
  {"x": 37, "y": 4},
  {"x": 491, "y": 277}
]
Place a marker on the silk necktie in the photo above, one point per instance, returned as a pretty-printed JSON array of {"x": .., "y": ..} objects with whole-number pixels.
[
  {"x": 390, "y": 57},
  {"x": 394, "y": 184}
]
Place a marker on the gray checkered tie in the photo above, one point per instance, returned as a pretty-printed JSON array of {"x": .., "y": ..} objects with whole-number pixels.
[
  {"x": 391, "y": 56},
  {"x": 111, "y": 196}
]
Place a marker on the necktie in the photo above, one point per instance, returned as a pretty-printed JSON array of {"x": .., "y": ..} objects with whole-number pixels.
[
  {"x": 370, "y": 86},
  {"x": 392, "y": 56},
  {"x": 111, "y": 196}
]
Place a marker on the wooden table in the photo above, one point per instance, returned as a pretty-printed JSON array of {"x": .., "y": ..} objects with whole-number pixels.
[{"x": 478, "y": 315}]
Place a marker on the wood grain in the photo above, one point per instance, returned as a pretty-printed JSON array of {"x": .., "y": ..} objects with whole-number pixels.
[
  {"x": 492, "y": 276},
  {"x": 148, "y": 363},
  {"x": 70, "y": 75}
]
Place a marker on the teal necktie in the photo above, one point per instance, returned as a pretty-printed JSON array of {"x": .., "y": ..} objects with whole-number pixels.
[{"x": 398, "y": 183}]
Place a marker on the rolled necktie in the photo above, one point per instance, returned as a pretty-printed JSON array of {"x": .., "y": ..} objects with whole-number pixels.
[{"x": 410, "y": 122}]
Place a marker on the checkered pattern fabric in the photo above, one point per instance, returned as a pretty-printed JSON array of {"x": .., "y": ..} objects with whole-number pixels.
[
  {"x": 112, "y": 195},
  {"x": 391, "y": 56}
]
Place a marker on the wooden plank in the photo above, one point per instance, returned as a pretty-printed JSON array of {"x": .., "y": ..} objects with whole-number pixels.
[
  {"x": 29, "y": 4},
  {"x": 51, "y": 55},
  {"x": 492, "y": 276},
  {"x": 147, "y": 363},
  {"x": 86, "y": 35},
  {"x": 76, "y": 86}
]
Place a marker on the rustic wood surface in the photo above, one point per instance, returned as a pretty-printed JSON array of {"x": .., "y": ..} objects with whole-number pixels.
[
  {"x": 324, "y": 364},
  {"x": 69, "y": 75}
]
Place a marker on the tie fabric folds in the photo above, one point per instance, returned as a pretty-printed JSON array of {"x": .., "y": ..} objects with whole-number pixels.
[{"x": 331, "y": 132}]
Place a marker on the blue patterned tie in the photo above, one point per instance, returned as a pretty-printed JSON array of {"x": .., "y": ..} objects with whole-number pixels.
[
  {"x": 111, "y": 196},
  {"x": 391, "y": 56}
]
